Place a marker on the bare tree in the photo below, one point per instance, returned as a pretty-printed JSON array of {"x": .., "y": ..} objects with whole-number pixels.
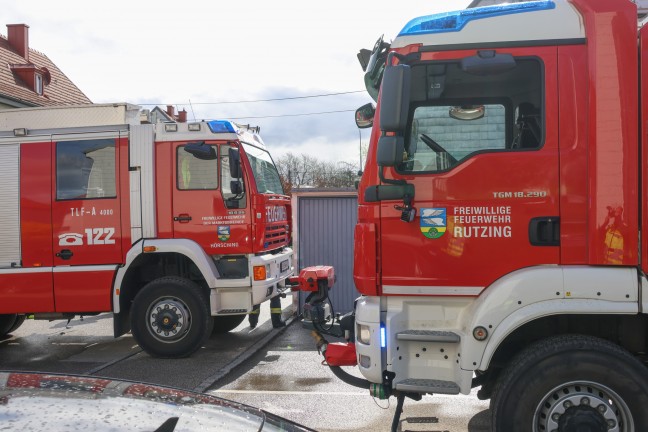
[{"x": 304, "y": 170}]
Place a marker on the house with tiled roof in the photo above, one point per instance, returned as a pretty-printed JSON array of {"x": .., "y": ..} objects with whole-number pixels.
[{"x": 29, "y": 78}]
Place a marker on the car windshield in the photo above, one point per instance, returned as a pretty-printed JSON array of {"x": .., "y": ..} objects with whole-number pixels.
[{"x": 264, "y": 170}]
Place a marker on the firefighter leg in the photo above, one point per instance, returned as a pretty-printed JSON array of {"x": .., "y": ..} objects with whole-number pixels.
[
  {"x": 275, "y": 312},
  {"x": 253, "y": 316}
]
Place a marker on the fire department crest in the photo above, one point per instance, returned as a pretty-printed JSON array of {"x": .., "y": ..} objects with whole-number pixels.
[
  {"x": 223, "y": 233},
  {"x": 433, "y": 222}
]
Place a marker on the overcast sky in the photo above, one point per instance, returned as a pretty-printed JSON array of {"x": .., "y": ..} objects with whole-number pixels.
[{"x": 195, "y": 54}]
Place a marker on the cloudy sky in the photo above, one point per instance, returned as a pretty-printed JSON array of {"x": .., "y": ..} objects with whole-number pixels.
[{"x": 199, "y": 54}]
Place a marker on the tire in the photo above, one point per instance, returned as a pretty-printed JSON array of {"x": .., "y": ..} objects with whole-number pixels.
[
  {"x": 225, "y": 323},
  {"x": 20, "y": 319},
  {"x": 6, "y": 323},
  {"x": 170, "y": 317},
  {"x": 572, "y": 383}
]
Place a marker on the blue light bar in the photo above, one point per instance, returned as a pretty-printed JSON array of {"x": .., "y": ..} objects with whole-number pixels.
[
  {"x": 455, "y": 21},
  {"x": 221, "y": 126},
  {"x": 383, "y": 337}
]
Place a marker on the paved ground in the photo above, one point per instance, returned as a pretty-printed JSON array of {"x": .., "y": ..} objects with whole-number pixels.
[
  {"x": 276, "y": 370},
  {"x": 87, "y": 347},
  {"x": 286, "y": 378}
]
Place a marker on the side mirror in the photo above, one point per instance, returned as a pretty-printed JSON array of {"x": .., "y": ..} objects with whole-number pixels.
[
  {"x": 373, "y": 63},
  {"x": 364, "y": 116},
  {"x": 364, "y": 55},
  {"x": 390, "y": 150},
  {"x": 236, "y": 187},
  {"x": 201, "y": 150},
  {"x": 395, "y": 98},
  {"x": 235, "y": 163}
]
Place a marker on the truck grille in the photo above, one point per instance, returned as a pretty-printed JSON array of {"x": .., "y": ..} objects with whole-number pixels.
[{"x": 275, "y": 235}]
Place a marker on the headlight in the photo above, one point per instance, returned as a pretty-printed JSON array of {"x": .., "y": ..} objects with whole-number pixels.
[{"x": 363, "y": 334}]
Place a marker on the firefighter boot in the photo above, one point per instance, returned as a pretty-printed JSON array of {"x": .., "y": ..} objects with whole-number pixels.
[
  {"x": 275, "y": 312},
  {"x": 253, "y": 316}
]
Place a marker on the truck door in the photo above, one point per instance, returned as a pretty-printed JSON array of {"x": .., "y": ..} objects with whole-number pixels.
[
  {"x": 205, "y": 208},
  {"x": 482, "y": 154},
  {"x": 85, "y": 220}
]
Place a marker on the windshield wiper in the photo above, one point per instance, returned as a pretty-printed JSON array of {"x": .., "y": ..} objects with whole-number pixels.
[{"x": 169, "y": 425}]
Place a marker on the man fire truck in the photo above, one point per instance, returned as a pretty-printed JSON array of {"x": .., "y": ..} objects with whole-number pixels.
[
  {"x": 503, "y": 212},
  {"x": 175, "y": 228}
]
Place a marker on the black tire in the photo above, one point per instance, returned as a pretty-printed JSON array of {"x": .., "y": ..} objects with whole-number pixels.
[
  {"x": 225, "y": 323},
  {"x": 170, "y": 317},
  {"x": 569, "y": 382},
  {"x": 20, "y": 319},
  {"x": 6, "y": 323}
]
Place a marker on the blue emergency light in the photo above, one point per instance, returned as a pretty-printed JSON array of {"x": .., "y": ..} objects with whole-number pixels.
[
  {"x": 457, "y": 20},
  {"x": 221, "y": 126}
]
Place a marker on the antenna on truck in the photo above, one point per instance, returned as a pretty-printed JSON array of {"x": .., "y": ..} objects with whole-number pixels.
[{"x": 192, "y": 110}]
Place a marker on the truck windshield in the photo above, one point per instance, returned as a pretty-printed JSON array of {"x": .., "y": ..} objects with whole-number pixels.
[{"x": 264, "y": 170}]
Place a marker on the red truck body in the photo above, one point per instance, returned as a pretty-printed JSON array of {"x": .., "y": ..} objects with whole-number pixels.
[
  {"x": 501, "y": 236},
  {"x": 99, "y": 206}
]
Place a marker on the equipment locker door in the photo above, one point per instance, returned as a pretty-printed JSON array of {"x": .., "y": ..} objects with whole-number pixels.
[
  {"x": 85, "y": 220},
  {"x": 483, "y": 158},
  {"x": 200, "y": 209}
]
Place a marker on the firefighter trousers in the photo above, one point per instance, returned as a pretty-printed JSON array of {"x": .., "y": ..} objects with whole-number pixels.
[{"x": 275, "y": 314}]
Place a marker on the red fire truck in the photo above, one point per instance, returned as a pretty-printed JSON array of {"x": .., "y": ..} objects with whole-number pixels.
[
  {"x": 503, "y": 216},
  {"x": 176, "y": 228}
]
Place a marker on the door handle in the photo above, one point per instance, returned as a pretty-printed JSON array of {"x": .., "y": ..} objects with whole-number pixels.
[
  {"x": 545, "y": 231},
  {"x": 65, "y": 254},
  {"x": 182, "y": 218}
]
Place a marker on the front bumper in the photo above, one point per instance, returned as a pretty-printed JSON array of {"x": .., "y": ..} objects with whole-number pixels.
[
  {"x": 370, "y": 356},
  {"x": 279, "y": 267}
]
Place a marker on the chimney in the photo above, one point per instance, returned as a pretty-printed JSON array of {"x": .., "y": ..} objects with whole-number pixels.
[
  {"x": 170, "y": 111},
  {"x": 18, "y": 37},
  {"x": 182, "y": 116}
]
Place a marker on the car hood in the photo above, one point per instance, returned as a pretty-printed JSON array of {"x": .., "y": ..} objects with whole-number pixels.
[{"x": 40, "y": 402}]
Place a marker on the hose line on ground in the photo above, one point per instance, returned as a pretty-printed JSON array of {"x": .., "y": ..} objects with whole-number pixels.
[{"x": 350, "y": 379}]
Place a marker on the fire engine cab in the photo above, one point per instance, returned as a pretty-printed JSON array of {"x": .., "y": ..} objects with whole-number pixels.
[
  {"x": 178, "y": 229},
  {"x": 503, "y": 216}
]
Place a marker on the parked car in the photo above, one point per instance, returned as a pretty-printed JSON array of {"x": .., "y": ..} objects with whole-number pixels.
[{"x": 52, "y": 403}]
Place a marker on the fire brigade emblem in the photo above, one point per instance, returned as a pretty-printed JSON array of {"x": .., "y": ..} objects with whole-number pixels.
[
  {"x": 223, "y": 233},
  {"x": 433, "y": 222}
]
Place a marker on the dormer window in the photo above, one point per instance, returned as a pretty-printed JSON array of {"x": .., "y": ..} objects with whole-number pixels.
[
  {"x": 33, "y": 77},
  {"x": 38, "y": 83}
]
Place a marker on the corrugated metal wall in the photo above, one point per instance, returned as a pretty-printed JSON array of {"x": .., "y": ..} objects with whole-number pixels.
[{"x": 326, "y": 226}]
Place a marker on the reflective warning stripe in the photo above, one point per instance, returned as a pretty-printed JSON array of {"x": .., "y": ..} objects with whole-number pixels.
[
  {"x": 275, "y": 310},
  {"x": 436, "y": 290},
  {"x": 254, "y": 312}
]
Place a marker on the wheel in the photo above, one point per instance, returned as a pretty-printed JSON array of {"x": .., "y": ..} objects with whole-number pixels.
[
  {"x": 170, "y": 317},
  {"x": 572, "y": 383},
  {"x": 6, "y": 323},
  {"x": 20, "y": 319},
  {"x": 225, "y": 323}
]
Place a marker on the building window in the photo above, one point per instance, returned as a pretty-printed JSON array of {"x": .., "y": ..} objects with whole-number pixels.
[{"x": 38, "y": 83}]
